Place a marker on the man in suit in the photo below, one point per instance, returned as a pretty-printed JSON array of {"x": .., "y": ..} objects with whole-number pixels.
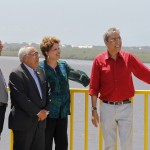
[
  {"x": 3, "y": 96},
  {"x": 28, "y": 102}
]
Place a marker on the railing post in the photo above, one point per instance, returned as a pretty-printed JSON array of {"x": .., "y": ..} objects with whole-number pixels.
[
  {"x": 72, "y": 122},
  {"x": 100, "y": 139},
  {"x": 11, "y": 140},
  {"x": 100, "y": 135},
  {"x": 132, "y": 102},
  {"x": 86, "y": 121},
  {"x": 146, "y": 122}
]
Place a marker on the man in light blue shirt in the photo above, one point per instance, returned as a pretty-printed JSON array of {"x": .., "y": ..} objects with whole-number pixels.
[{"x": 28, "y": 96}]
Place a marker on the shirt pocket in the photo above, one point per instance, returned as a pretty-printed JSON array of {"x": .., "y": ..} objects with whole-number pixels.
[{"x": 106, "y": 73}]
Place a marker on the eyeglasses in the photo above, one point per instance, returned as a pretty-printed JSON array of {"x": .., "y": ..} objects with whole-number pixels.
[
  {"x": 115, "y": 39},
  {"x": 34, "y": 54}
]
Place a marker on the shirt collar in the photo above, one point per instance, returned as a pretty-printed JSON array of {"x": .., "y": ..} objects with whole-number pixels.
[
  {"x": 107, "y": 55},
  {"x": 29, "y": 69}
]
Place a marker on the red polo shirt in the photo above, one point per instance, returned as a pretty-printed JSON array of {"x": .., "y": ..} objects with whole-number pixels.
[{"x": 113, "y": 78}]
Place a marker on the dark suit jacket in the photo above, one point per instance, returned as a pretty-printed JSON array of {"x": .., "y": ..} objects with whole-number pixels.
[{"x": 26, "y": 102}]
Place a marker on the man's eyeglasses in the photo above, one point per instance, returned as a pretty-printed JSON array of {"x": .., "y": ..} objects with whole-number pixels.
[
  {"x": 115, "y": 39},
  {"x": 34, "y": 54}
]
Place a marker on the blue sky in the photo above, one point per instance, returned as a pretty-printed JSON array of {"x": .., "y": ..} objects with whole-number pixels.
[{"x": 75, "y": 22}]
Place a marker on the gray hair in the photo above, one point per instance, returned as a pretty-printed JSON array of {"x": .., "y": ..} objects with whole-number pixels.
[
  {"x": 109, "y": 32},
  {"x": 23, "y": 51}
]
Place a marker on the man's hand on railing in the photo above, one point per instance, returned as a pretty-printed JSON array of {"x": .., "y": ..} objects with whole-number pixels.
[{"x": 95, "y": 118}]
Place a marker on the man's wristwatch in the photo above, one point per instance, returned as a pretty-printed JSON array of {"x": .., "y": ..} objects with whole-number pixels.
[{"x": 94, "y": 108}]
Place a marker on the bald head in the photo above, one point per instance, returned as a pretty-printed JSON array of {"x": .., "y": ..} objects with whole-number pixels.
[{"x": 29, "y": 55}]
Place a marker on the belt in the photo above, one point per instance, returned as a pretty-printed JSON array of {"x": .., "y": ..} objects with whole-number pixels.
[{"x": 117, "y": 103}]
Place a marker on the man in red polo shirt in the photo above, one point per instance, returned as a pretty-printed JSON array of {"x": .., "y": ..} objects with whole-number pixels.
[{"x": 111, "y": 77}]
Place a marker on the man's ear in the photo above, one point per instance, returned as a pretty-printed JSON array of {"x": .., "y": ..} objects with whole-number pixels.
[
  {"x": 46, "y": 53},
  {"x": 24, "y": 59},
  {"x": 106, "y": 42}
]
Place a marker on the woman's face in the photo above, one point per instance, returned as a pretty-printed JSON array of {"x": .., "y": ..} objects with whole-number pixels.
[{"x": 54, "y": 52}]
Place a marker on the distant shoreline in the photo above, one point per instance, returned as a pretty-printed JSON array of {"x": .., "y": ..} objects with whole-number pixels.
[{"x": 86, "y": 53}]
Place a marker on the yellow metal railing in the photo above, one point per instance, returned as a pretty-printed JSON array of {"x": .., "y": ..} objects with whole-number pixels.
[{"x": 85, "y": 92}]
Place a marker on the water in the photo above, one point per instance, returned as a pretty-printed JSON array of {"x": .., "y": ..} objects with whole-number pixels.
[{"x": 8, "y": 63}]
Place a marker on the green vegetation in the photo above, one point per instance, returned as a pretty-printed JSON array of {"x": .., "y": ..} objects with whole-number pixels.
[
  {"x": 9, "y": 53},
  {"x": 90, "y": 53},
  {"x": 143, "y": 53},
  {"x": 80, "y": 53}
]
